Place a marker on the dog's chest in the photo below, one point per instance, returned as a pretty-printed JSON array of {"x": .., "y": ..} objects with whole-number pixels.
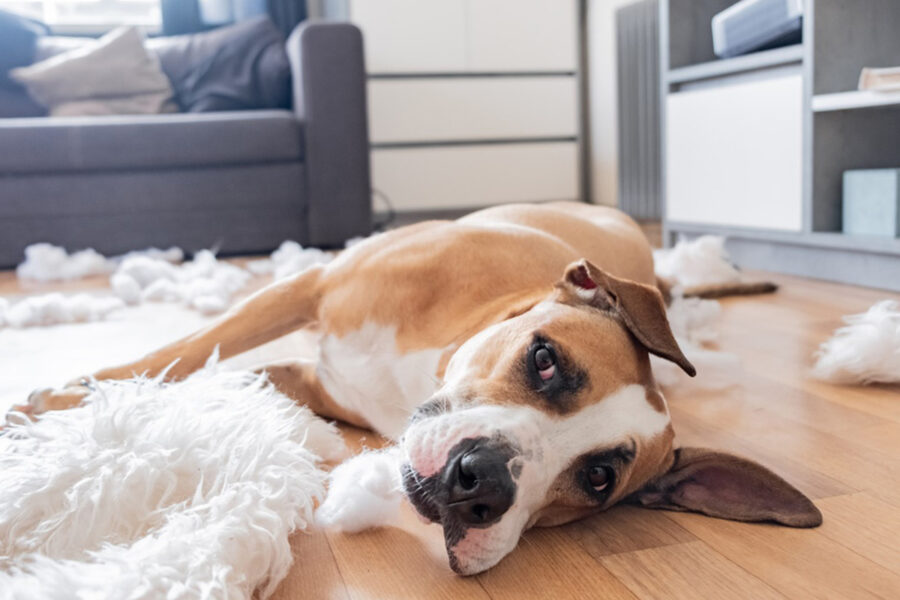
[{"x": 365, "y": 373}]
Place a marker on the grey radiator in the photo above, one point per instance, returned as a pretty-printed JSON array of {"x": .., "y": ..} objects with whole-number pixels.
[{"x": 637, "y": 45}]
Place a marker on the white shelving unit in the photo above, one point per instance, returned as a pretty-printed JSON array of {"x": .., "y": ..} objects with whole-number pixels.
[
  {"x": 472, "y": 103},
  {"x": 755, "y": 147}
]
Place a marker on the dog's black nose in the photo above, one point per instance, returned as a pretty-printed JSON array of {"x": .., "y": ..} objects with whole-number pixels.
[{"x": 480, "y": 487}]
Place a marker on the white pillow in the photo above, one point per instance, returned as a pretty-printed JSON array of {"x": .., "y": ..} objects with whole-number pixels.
[{"x": 113, "y": 76}]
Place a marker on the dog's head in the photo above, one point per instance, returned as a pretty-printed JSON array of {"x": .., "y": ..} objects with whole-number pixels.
[{"x": 553, "y": 415}]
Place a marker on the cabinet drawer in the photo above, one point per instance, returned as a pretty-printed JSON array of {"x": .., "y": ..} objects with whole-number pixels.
[
  {"x": 734, "y": 154},
  {"x": 471, "y": 176},
  {"x": 522, "y": 35},
  {"x": 472, "y": 109},
  {"x": 440, "y": 36},
  {"x": 404, "y": 36}
]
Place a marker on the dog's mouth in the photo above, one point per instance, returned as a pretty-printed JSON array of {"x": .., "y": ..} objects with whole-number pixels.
[{"x": 421, "y": 493}]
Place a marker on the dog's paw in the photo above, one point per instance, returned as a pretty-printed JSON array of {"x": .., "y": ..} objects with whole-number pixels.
[
  {"x": 363, "y": 492},
  {"x": 43, "y": 400}
]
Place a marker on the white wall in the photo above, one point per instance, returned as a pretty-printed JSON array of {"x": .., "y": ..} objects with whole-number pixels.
[{"x": 603, "y": 113}]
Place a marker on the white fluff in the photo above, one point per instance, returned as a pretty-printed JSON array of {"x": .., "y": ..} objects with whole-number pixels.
[
  {"x": 186, "y": 490},
  {"x": 865, "y": 350},
  {"x": 55, "y": 308},
  {"x": 363, "y": 492},
  {"x": 703, "y": 261},
  {"x": 289, "y": 259},
  {"x": 46, "y": 262},
  {"x": 694, "y": 322},
  {"x": 204, "y": 284}
]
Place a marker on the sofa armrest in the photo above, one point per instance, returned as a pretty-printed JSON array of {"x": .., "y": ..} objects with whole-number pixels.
[{"x": 329, "y": 84}]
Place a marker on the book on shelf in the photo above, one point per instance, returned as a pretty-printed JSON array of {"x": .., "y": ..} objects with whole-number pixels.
[{"x": 880, "y": 80}]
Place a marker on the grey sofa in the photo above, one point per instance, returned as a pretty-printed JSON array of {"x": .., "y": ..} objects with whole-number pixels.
[{"x": 238, "y": 181}]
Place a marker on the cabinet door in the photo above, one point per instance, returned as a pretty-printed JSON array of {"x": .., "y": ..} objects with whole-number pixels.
[
  {"x": 473, "y": 176},
  {"x": 401, "y": 36},
  {"x": 478, "y": 108},
  {"x": 522, "y": 35},
  {"x": 734, "y": 154}
]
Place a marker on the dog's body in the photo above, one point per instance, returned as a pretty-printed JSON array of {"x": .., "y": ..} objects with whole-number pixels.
[{"x": 517, "y": 397}]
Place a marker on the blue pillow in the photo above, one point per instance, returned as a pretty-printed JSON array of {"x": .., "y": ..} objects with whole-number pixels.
[{"x": 18, "y": 37}]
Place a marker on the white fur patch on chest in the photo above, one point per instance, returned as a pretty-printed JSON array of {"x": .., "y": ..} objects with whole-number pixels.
[{"x": 365, "y": 373}]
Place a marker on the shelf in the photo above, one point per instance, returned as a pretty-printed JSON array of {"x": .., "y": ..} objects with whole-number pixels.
[
  {"x": 822, "y": 239},
  {"x": 854, "y": 100},
  {"x": 739, "y": 64}
]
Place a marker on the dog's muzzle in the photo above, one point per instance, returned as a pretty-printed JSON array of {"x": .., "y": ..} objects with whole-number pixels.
[{"x": 474, "y": 488}]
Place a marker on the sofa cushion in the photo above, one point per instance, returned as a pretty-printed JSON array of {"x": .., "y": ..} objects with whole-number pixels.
[
  {"x": 240, "y": 67},
  {"x": 148, "y": 141},
  {"x": 113, "y": 75}
]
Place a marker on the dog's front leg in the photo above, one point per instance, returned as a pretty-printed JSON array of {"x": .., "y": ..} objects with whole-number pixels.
[
  {"x": 273, "y": 312},
  {"x": 364, "y": 492}
]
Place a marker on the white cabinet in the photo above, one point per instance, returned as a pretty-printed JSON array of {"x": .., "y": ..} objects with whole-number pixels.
[
  {"x": 734, "y": 153},
  {"x": 471, "y": 102}
]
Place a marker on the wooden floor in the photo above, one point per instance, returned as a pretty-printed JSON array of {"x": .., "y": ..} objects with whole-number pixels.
[{"x": 840, "y": 445}]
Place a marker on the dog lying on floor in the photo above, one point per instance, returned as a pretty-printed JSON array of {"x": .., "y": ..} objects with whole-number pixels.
[{"x": 507, "y": 354}]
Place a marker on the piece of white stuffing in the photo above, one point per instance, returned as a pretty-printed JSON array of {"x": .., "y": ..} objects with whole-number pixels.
[
  {"x": 56, "y": 308},
  {"x": 694, "y": 322},
  {"x": 363, "y": 492},
  {"x": 865, "y": 350},
  {"x": 289, "y": 259},
  {"x": 204, "y": 284},
  {"x": 703, "y": 261},
  {"x": 46, "y": 262}
]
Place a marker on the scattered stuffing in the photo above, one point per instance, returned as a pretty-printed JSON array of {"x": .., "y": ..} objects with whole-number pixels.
[
  {"x": 363, "y": 492},
  {"x": 703, "y": 261},
  {"x": 204, "y": 283},
  {"x": 865, "y": 350},
  {"x": 154, "y": 490},
  {"x": 695, "y": 323},
  {"x": 54, "y": 309},
  {"x": 46, "y": 262},
  {"x": 291, "y": 258}
]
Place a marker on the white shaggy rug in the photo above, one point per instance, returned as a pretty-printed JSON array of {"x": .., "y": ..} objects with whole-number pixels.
[{"x": 150, "y": 490}]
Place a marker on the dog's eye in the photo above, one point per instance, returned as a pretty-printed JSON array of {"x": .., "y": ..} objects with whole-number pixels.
[
  {"x": 545, "y": 363},
  {"x": 600, "y": 478}
]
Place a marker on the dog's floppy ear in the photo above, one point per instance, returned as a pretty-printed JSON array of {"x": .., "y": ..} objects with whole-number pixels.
[
  {"x": 640, "y": 307},
  {"x": 729, "y": 487}
]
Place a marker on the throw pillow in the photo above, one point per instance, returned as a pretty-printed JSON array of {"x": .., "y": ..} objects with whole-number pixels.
[
  {"x": 18, "y": 37},
  {"x": 240, "y": 67},
  {"x": 114, "y": 75}
]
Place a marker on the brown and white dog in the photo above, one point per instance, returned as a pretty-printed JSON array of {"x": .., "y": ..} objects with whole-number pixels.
[{"x": 507, "y": 353}]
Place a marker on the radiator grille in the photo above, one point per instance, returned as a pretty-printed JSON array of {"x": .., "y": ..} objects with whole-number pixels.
[{"x": 637, "y": 45}]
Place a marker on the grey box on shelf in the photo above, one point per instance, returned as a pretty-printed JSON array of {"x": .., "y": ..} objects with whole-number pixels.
[{"x": 872, "y": 202}]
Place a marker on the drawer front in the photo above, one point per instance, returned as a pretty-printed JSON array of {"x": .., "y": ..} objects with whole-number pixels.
[
  {"x": 471, "y": 176},
  {"x": 440, "y": 36},
  {"x": 734, "y": 154},
  {"x": 404, "y": 36},
  {"x": 472, "y": 109},
  {"x": 522, "y": 35}
]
